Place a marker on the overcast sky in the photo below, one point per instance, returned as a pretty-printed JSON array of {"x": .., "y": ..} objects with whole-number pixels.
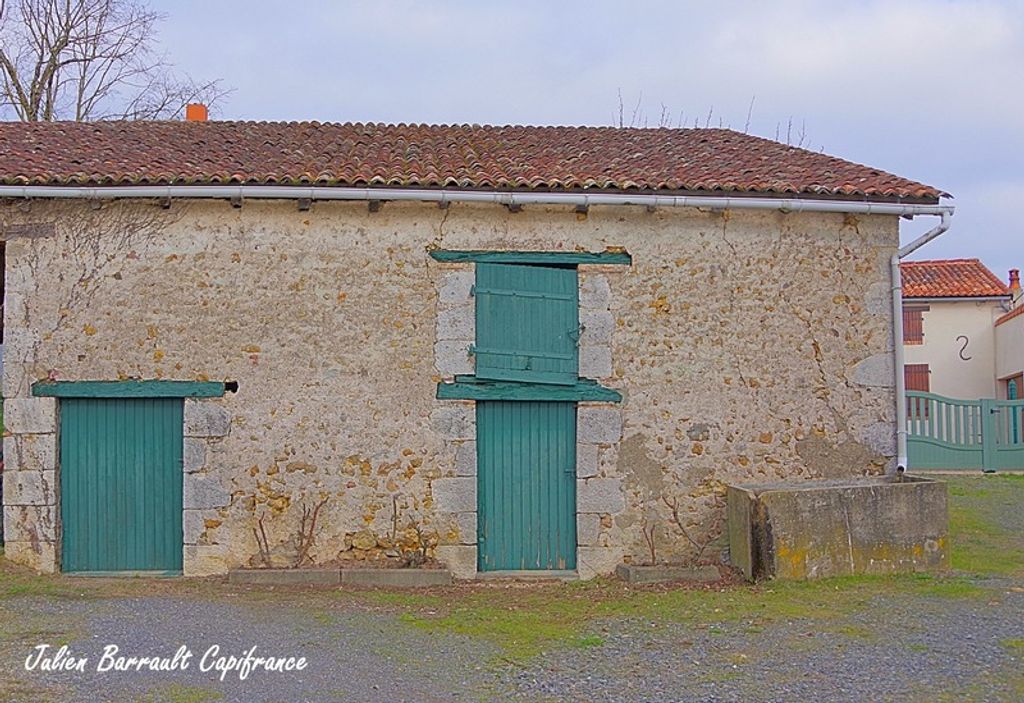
[{"x": 929, "y": 89}]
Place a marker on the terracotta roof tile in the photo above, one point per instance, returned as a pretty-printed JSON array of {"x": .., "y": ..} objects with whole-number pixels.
[
  {"x": 950, "y": 278},
  {"x": 456, "y": 156}
]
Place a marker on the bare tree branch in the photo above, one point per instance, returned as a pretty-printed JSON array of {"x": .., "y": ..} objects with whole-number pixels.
[{"x": 90, "y": 60}]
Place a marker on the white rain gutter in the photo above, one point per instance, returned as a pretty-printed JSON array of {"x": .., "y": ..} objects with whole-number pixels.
[
  {"x": 443, "y": 196},
  {"x": 897, "y": 332}
]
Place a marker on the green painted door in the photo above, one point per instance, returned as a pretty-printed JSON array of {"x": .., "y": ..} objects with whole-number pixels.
[
  {"x": 121, "y": 483},
  {"x": 526, "y": 472}
]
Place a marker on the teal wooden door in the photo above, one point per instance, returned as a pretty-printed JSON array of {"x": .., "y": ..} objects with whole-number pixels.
[
  {"x": 526, "y": 472},
  {"x": 121, "y": 483}
]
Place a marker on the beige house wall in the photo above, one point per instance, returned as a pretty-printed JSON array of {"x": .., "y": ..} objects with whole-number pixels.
[
  {"x": 747, "y": 346},
  {"x": 1009, "y": 353},
  {"x": 960, "y": 368}
]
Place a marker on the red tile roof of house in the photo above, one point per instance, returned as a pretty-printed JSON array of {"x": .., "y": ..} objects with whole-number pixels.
[
  {"x": 1016, "y": 312},
  {"x": 543, "y": 158},
  {"x": 950, "y": 278}
]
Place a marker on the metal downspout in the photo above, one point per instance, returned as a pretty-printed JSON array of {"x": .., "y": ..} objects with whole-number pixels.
[{"x": 897, "y": 332}]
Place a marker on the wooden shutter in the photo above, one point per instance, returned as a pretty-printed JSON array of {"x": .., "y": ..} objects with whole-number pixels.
[
  {"x": 527, "y": 323},
  {"x": 913, "y": 325},
  {"x": 916, "y": 377}
]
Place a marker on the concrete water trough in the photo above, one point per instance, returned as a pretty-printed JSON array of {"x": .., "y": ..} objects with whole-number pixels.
[{"x": 818, "y": 528}]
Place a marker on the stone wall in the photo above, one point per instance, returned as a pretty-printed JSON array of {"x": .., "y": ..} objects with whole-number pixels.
[{"x": 747, "y": 346}]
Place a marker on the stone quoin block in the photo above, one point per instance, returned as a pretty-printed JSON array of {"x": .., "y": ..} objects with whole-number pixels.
[
  {"x": 30, "y": 452},
  {"x": 600, "y": 495},
  {"x": 598, "y": 424},
  {"x": 194, "y": 524},
  {"x": 203, "y": 492},
  {"x": 459, "y": 558},
  {"x": 588, "y": 528},
  {"x": 454, "y": 420},
  {"x": 597, "y": 561},
  {"x": 194, "y": 455},
  {"x": 452, "y": 357},
  {"x": 30, "y": 523},
  {"x": 465, "y": 459},
  {"x": 595, "y": 362},
  {"x": 455, "y": 287},
  {"x": 454, "y": 495},
  {"x": 466, "y": 523},
  {"x": 30, "y": 487},
  {"x": 205, "y": 419},
  {"x": 205, "y": 560},
  {"x": 587, "y": 460},
  {"x": 875, "y": 371},
  {"x": 595, "y": 293},
  {"x": 30, "y": 415},
  {"x": 41, "y": 556},
  {"x": 598, "y": 326},
  {"x": 457, "y": 322},
  {"x": 879, "y": 437}
]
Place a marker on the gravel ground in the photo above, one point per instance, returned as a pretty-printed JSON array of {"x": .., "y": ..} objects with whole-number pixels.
[
  {"x": 353, "y": 654},
  {"x": 909, "y": 650},
  {"x": 917, "y": 651},
  {"x": 876, "y": 645}
]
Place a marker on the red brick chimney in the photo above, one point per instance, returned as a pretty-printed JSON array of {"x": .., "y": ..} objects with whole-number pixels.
[
  {"x": 196, "y": 112},
  {"x": 1015, "y": 290}
]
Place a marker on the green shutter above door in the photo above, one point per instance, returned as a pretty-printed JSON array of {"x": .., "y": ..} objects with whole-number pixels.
[{"x": 527, "y": 323}]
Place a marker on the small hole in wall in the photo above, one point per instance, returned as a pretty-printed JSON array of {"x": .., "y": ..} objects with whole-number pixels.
[{"x": 231, "y": 386}]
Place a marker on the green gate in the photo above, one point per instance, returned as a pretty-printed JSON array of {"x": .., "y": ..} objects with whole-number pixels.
[
  {"x": 526, "y": 466},
  {"x": 945, "y": 433},
  {"x": 121, "y": 484}
]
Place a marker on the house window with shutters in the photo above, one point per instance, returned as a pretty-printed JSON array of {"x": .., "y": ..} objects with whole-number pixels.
[
  {"x": 913, "y": 324},
  {"x": 916, "y": 377},
  {"x": 527, "y": 323}
]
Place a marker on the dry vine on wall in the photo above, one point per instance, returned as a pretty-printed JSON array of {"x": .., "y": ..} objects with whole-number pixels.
[{"x": 59, "y": 276}]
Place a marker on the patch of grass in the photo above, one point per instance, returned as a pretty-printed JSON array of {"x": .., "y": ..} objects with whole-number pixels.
[
  {"x": 401, "y": 599},
  {"x": 322, "y": 617},
  {"x": 917, "y": 647},
  {"x": 529, "y": 621},
  {"x": 1015, "y": 646},
  {"x": 179, "y": 693},
  {"x": 856, "y": 632},
  {"x": 985, "y": 524},
  {"x": 719, "y": 676},
  {"x": 587, "y": 641}
]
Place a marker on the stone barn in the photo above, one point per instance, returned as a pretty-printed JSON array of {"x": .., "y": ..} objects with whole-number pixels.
[{"x": 500, "y": 349}]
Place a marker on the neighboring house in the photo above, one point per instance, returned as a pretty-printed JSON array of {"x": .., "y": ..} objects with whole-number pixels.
[
  {"x": 236, "y": 344},
  {"x": 949, "y": 310},
  {"x": 1010, "y": 346}
]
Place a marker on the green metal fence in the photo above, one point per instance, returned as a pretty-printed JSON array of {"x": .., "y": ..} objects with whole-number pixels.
[{"x": 946, "y": 433}]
